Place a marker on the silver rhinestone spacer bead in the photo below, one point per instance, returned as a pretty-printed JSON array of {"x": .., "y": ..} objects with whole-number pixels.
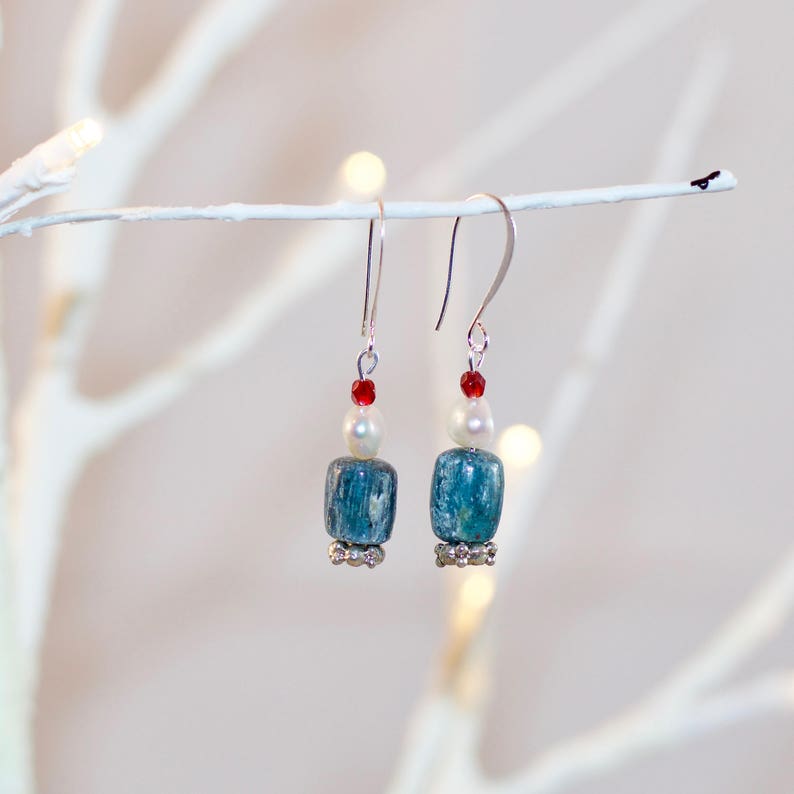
[
  {"x": 355, "y": 555},
  {"x": 463, "y": 554}
]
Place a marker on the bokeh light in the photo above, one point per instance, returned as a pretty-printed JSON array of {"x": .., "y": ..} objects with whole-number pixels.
[
  {"x": 85, "y": 135},
  {"x": 520, "y": 446},
  {"x": 364, "y": 174}
]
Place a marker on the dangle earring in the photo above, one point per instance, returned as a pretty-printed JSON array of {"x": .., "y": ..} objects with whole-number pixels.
[
  {"x": 468, "y": 482},
  {"x": 361, "y": 491}
]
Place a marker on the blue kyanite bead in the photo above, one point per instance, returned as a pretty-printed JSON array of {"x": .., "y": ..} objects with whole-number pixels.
[
  {"x": 466, "y": 495},
  {"x": 360, "y": 500}
]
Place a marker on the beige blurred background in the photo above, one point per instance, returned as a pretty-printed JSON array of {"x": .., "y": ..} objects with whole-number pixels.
[{"x": 199, "y": 640}]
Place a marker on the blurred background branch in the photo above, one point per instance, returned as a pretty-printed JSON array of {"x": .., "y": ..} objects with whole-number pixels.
[{"x": 449, "y": 764}]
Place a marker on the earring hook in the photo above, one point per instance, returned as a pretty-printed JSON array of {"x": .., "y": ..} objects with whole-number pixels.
[
  {"x": 371, "y": 311},
  {"x": 477, "y": 350}
]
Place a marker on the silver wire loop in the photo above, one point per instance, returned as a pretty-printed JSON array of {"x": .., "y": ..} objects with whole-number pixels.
[
  {"x": 370, "y": 312},
  {"x": 373, "y": 354},
  {"x": 477, "y": 349}
]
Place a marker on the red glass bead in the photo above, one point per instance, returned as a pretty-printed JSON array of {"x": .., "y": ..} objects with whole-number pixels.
[
  {"x": 472, "y": 384},
  {"x": 363, "y": 392}
]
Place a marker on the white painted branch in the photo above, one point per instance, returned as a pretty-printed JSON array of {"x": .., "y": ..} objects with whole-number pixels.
[
  {"x": 35, "y": 195},
  {"x": 51, "y": 413},
  {"x": 15, "y": 752},
  {"x": 639, "y": 731},
  {"x": 764, "y": 612},
  {"x": 220, "y": 28},
  {"x": 46, "y": 169},
  {"x": 757, "y": 621},
  {"x": 84, "y": 59},
  {"x": 306, "y": 266},
  {"x": 673, "y": 706},
  {"x": 634, "y": 733},
  {"x": 55, "y": 427},
  {"x": 344, "y": 210},
  {"x": 14, "y": 749},
  {"x": 15, "y": 746},
  {"x": 601, "y": 333},
  {"x": 630, "y": 34}
]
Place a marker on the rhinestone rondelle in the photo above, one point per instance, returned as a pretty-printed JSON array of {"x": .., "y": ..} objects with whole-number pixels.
[
  {"x": 463, "y": 554},
  {"x": 356, "y": 554}
]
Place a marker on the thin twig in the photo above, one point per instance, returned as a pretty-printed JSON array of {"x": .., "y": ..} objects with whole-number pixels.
[{"x": 395, "y": 209}]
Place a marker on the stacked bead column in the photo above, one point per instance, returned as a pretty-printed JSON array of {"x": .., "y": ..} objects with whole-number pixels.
[
  {"x": 360, "y": 490},
  {"x": 468, "y": 482}
]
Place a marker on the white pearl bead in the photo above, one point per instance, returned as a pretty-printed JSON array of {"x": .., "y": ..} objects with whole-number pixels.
[
  {"x": 363, "y": 430},
  {"x": 470, "y": 423}
]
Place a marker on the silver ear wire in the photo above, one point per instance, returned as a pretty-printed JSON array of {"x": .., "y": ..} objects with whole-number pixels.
[
  {"x": 370, "y": 312},
  {"x": 477, "y": 349}
]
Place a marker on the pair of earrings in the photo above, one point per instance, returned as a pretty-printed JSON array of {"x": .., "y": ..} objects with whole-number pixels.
[{"x": 467, "y": 487}]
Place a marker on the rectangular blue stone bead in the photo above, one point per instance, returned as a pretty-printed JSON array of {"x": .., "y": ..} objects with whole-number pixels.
[
  {"x": 360, "y": 500},
  {"x": 466, "y": 495}
]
